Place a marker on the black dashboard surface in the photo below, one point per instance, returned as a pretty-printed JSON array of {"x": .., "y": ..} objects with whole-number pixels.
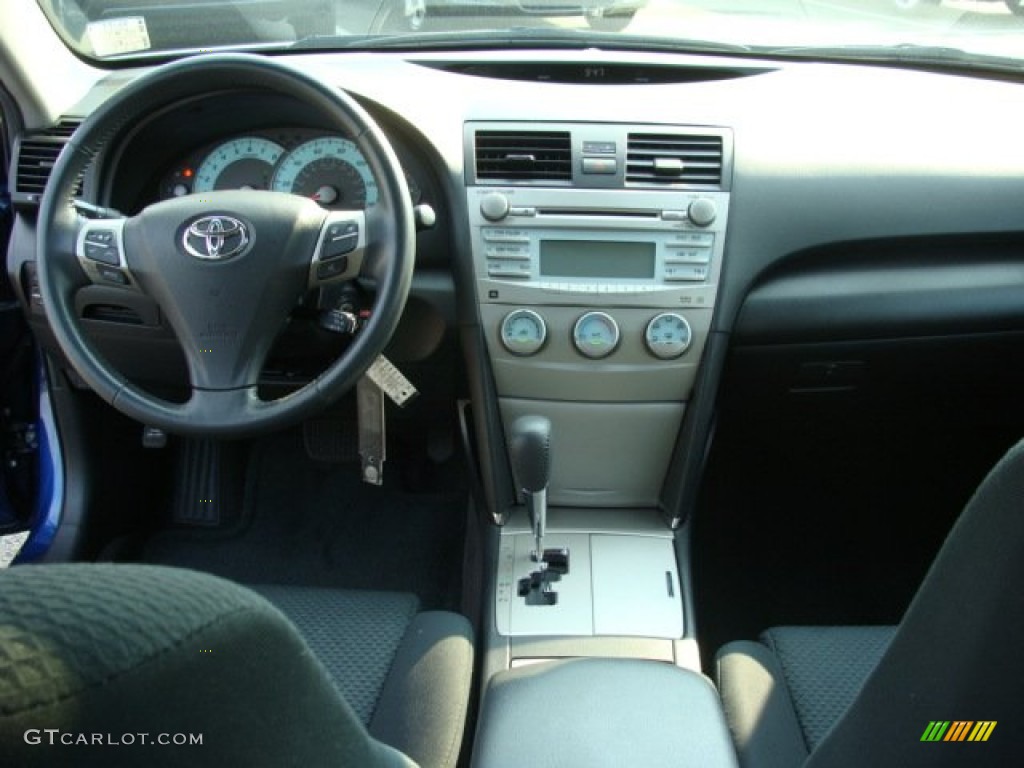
[
  {"x": 853, "y": 189},
  {"x": 825, "y": 154}
]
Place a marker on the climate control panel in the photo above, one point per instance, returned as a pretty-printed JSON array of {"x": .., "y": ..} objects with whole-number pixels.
[
  {"x": 580, "y": 354},
  {"x": 596, "y": 335}
]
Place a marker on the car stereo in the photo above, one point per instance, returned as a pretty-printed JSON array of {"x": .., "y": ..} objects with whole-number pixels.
[{"x": 596, "y": 247}]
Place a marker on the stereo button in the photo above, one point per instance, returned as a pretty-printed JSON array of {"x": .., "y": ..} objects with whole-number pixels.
[
  {"x": 508, "y": 252},
  {"x": 702, "y": 239},
  {"x": 513, "y": 236},
  {"x": 688, "y": 256},
  {"x": 686, "y": 273},
  {"x": 702, "y": 212},
  {"x": 508, "y": 269},
  {"x": 494, "y": 207}
]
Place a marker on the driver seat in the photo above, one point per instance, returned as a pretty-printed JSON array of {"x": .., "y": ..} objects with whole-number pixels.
[{"x": 129, "y": 665}]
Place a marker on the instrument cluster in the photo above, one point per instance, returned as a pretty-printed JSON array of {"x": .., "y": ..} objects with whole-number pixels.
[{"x": 328, "y": 168}]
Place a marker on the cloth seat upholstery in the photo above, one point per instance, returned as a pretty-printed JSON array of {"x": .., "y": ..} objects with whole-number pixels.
[{"x": 100, "y": 654}]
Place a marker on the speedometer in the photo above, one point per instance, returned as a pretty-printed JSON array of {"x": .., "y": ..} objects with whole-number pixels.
[
  {"x": 331, "y": 171},
  {"x": 243, "y": 163}
]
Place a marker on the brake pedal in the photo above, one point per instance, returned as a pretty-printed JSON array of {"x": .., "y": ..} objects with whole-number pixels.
[{"x": 331, "y": 439}]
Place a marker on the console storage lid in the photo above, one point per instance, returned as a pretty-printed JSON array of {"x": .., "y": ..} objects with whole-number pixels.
[{"x": 601, "y": 713}]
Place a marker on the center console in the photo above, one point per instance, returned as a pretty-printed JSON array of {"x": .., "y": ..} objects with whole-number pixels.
[{"x": 597, "y": 251}]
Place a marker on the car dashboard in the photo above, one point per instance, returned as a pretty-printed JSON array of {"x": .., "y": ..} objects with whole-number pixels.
[{"x": 686, "y": 263}]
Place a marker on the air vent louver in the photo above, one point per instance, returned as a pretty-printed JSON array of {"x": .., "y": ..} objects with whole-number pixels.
[
  {"x": 524, "y": 156},
  {"x": 665, "y": 159},
  {"x": 36, "y": 157}
]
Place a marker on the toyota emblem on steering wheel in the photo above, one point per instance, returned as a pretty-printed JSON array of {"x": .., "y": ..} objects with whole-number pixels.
[{"x": 215, "y": 238}]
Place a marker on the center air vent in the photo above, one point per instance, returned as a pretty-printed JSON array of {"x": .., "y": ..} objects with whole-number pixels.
[
  {"x": 666, "y": 159},
  {"x": 524, "y": 156},
  {"x": 37, "y": 155}
]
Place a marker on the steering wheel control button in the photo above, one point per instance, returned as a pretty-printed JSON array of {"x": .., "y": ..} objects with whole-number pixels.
[
  {"x": 523, "y": 332},
  {"x": 328, "y": 270},
  {"x": 112, "y": 275},
  {"x": 100, "y": 251},
  {"x": 668, "y": 336},
  {"x": 101, "y": 246},
  {"x": 104, "y": 253},
  {"x": 596, "y": 335},
  {"x": 215, "y": 238},
  {"x": 340, "y": 238},
  {"x": 339, "y": 249}
]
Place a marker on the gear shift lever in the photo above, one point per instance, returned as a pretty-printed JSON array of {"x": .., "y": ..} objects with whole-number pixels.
[{"x": 530, "y": 449}]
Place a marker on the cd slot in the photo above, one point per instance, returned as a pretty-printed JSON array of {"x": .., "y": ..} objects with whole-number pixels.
[{"x": 602, "y": 213}]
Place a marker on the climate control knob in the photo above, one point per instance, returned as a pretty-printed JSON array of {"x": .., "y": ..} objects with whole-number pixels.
[
  {"x": 668, "y": 336},
  {"x": 523, "y": 332},
  {"x": 595, "y": 335},
  {"x": 494, "y": 206}
]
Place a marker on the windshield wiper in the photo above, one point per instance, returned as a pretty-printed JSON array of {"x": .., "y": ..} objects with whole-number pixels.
[
  {"x": 905, "y": 54},
  {"x": 516, "y": 38}
]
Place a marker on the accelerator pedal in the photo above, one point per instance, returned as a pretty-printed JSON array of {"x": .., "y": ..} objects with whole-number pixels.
[{"x": 199, "y": 498}]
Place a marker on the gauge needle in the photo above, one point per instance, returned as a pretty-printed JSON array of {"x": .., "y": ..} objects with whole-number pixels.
[{"x": 326, "y": 195}]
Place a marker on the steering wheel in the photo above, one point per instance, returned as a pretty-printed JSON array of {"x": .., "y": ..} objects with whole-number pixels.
[{"x": 225, "y": 267}]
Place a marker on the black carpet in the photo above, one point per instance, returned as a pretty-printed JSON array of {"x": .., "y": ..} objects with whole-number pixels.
[{"x": 311, "y": 523}]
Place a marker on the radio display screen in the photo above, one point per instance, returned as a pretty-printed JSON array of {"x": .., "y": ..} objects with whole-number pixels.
[{"x": 590, "y": 258}]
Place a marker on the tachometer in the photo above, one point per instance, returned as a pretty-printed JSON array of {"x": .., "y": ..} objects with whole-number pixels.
[
  {"x": 331, "y": 171},
  {"x": 243, "y": 163}
]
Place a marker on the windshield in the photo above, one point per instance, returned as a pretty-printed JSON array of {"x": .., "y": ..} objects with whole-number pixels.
[{"x": 960, "y": 31}]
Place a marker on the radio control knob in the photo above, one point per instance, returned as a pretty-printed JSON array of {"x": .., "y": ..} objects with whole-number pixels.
[
  {"x": 494, "y": 206},
  {"x": 702, "y": 212}
]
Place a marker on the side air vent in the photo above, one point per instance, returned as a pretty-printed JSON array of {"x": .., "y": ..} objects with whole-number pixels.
[
  {"x": 524, "y": 156},
  {"x": 37, "y": 154},
  {"x": 665, "y": 159}
]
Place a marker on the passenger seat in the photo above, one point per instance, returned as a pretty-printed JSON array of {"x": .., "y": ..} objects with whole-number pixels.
[{"x": 877, "y": 696}]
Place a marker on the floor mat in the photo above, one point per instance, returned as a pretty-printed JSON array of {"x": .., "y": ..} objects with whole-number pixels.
[{"x": 312, "y": 523}]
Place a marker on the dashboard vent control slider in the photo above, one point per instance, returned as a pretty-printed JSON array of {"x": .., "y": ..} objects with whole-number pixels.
[
  {"x": 524, "y": 156},
  {"x": 661, "y": 159}
]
